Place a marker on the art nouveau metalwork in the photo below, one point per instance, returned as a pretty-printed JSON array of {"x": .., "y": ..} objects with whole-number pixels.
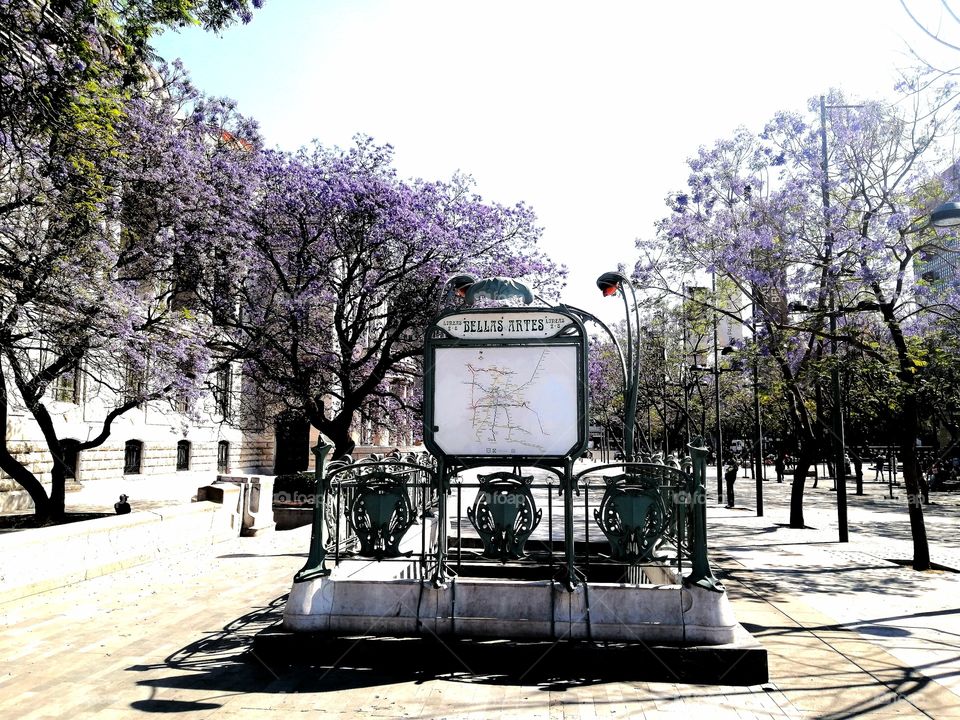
[{"x": 504, "y": 514}]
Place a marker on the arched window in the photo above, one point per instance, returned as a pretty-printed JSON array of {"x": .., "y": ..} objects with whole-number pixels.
[
  {"x": 183, "y": 455},
  {"x": 132, "y": 457},
  {"x": 223, "y": 456}
]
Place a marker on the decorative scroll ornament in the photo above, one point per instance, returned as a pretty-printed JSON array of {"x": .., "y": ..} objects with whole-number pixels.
[
  {"x": 633, "y": 517},
  {"x": 381, "y": 514},
  {"x": 504, "y": 514}
]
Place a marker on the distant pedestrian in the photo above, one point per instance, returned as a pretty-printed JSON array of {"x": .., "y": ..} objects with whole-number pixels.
[
  {"x": 122, "y": 507},
  {"x": 780, "y": 466},
  {"x": 730, "y": 475},
  {"x": 880, "y": 473}
]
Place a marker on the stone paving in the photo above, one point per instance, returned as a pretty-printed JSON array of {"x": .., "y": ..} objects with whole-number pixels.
[{"x": 848, "y": 632}]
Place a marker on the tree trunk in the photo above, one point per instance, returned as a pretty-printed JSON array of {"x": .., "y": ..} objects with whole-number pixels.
[
  {"x": 14, "y": 468},
  {"x": 58, "y": 489},
  {"x": 804, "y": 463},
  {"x": 911, "y": 481},
  {"x": 910, "y": 418},
  {"x": 58, "y": 475},
  {"x": 338, "y": 430}
]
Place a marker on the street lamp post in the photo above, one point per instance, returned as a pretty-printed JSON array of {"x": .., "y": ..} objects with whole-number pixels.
[
  {"x": 840, "y": 456},
  {"x": 837, "y": 429},
  {"x": 717, "y": 371},
  {"x": 716, "y": 395},
  {"x": 758, "y": 473},
  {"x": 840, "y": 452},
  {"x": 609, "y": 283}
]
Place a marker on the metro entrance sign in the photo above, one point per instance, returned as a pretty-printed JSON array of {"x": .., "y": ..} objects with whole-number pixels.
[
  {"x": 486, "y": 325},
  {"x": 504, "y": 384}
]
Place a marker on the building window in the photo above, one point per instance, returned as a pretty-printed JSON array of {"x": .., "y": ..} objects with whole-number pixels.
[
  {"x": 222, "y": 392},
  {"x": 224, "y": 301},
  {"x": 186, "y": 268},
  {"x": 223, "y": 456},
  {"x": 183, "y": 455},
  {"x": 71, "y": 458},
  {"x": 133, "y": 382},
  {"x": 132, "y": 456},
  {"x": 66, "y": 388}
]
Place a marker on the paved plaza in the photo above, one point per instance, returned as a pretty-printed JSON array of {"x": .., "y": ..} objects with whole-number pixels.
[{"x": 849, "y": 629}]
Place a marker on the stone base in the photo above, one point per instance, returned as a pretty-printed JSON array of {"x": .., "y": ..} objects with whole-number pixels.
[
  {"x": 261, "y": 529},
  {"x": 289, "y": 518},
  {"x": 478, "y": 607}
]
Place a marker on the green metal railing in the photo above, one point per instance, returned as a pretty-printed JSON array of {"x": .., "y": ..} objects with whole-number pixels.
[{"x": 614, "y": 519}]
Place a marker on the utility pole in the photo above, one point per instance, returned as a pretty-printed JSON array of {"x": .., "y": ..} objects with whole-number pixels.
[{"x": 839, "y": 449}]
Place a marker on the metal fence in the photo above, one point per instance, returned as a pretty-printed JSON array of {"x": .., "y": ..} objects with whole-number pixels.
[{"x": 604, "y": 523}]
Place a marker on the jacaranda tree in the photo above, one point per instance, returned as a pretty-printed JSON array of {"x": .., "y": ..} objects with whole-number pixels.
[
  {"x": 831, "y": 210},
  {"x": 346, "y": 268},
  {"x": 99, "y": 181}
]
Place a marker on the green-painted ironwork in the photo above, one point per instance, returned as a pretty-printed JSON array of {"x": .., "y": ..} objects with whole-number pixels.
[
  {"x": 571, "y": 577},
  {"x": 381, "y": 514},
  {"x": 497, "y": 288},
  {"x": 633, "y": 515},
  {"x": 504, "y": 514},
  {"x": 649, "y": 505},
  {"x": 316, "y": 560},
  {"x": 618, "y": 280},
  {"x": 441, "y": 572},
  {"x": 700, "y": 574}
]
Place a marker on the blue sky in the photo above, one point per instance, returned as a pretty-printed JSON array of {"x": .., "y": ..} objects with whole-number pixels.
[{"x": 584, "y": 110}]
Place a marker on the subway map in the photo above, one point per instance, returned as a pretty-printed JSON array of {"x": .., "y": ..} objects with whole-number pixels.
[{"x": 519, "y": 400}]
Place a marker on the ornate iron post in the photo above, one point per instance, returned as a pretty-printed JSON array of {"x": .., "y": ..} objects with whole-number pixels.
[
  {"x": 443, "y": 487},
  {"x": 700, "y": 574},
  {"x": 316, "y": 561}
]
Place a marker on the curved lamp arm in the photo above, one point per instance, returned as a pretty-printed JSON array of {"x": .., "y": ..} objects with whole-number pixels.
[
  {"x": 584, "y": 316},
  {"x": 609, "y": 283}
]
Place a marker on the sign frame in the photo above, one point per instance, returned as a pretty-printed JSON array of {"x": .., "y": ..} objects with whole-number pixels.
[{"x": 506, "y": 327}]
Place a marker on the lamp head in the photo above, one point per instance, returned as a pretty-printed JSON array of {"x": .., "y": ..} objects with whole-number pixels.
[
  {"x": 610, "y": 282},
  {"x": 460, "y": 283},
  {"x": 946, "y": 215}
]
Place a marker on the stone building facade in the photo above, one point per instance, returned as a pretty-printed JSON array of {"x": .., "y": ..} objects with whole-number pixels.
[{"x": 155, "y": 441}]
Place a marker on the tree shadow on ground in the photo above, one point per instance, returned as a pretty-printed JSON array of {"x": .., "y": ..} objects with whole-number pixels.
[
  {"x": 868, "y": 626},
  {"x": 892, "y": 687},
  {"x": 777, "y": 584},
  {"x": 224, "y": 663}
]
